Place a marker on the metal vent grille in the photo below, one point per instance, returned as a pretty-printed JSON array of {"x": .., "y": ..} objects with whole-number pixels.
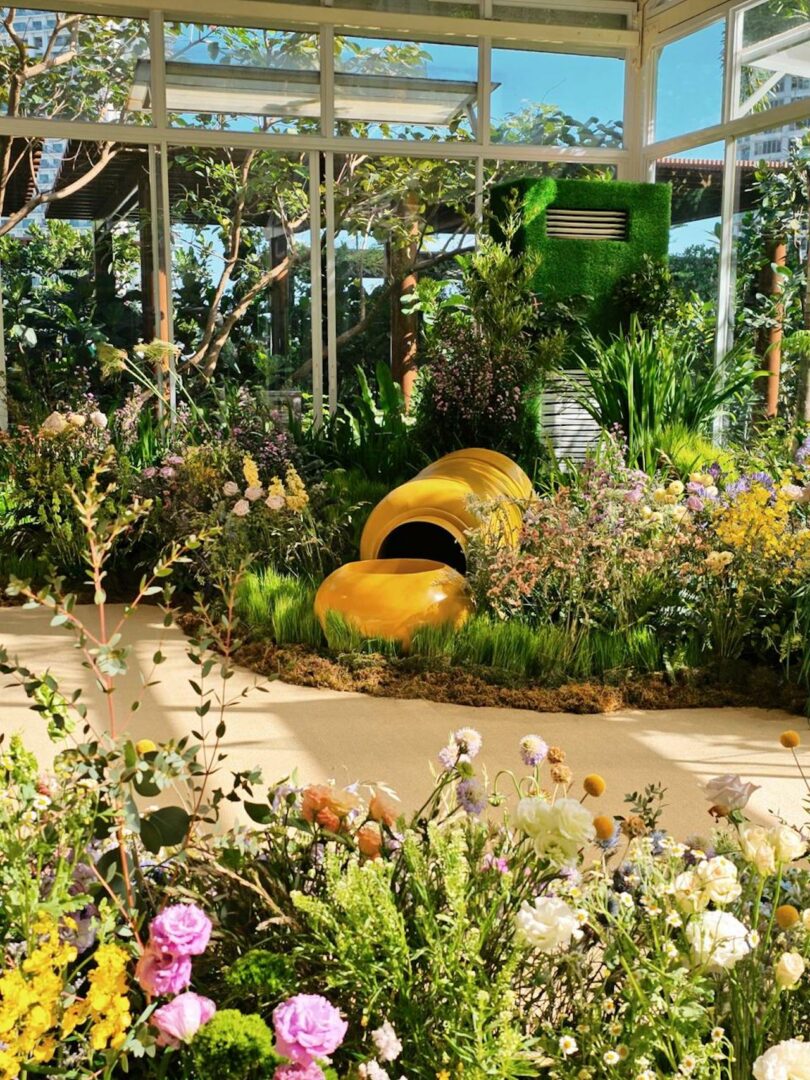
[{"x": 586, "y": 224}]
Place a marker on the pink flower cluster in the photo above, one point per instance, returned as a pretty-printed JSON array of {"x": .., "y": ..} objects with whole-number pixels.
[
  {"x": 308, "y": 1029},
  {"x": 178, "y": 933}
]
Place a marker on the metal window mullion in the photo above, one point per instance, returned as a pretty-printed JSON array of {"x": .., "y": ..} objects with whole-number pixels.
[
  {"x": 331, "y": 305},
  {"x": 154, "y": 232},
  {"x": 316, "y": 292},
  {"x": 327, "y": 58},
  {"x": 166, "y": 255},
  {"x": 724, "y": 333},
  {"x": 732, "y": 66},
  {"x": 157, "y": 70},
  {"x": 484, "y": 120}
]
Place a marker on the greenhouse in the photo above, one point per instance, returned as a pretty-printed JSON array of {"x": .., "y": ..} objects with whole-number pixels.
[{"x": 405, "y": 540}]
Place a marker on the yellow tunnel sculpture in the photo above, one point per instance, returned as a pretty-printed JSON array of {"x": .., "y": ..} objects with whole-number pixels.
[{"x": 413, "y": 548}]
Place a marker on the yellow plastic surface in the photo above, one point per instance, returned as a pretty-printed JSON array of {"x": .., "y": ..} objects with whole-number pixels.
[
  {"x": 443, "y": 494},
  {"x": 391, "y": 598}
]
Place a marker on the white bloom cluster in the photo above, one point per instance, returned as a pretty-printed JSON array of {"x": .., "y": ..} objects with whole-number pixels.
[
  {"x": 789, "y": 1060},
  {"x": 548, "y": 924},
  {"x": 768, "y": 848},
  {"x": 712, "y": 881},
  {"x": 717, "y": 940},
  {"x": 559, "y": 830}
]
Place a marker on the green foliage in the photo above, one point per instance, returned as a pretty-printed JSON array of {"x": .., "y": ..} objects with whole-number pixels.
[
  {"x": 262, "y": 975},
  {"x": 571, "y": 268},
  {"x": 649, "y": 294},
  {"x": 687, "y": 451},
  {"x": 645, "y": 381},
  {"x": 234, "y": 1046},
  {"x": 279, "y": 608}
]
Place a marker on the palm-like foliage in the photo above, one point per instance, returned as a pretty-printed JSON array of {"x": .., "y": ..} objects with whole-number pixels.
[{"x": 647, "y": 381}]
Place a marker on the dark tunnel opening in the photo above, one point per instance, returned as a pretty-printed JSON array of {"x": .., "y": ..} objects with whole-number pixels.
[{"x": 423, "y": 540}]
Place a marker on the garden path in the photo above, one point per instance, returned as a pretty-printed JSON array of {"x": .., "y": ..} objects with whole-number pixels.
[{"x": 324, "y": 733}]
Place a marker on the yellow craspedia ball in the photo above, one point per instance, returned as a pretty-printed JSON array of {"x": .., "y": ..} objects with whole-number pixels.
[
  {"x": 145, "y": 746},
  {"x": 605, "y": 826},
  {"x": 594, "y": 784},
  {"x": 790, "y": 739},
  {"x": 786, "y": 916}
]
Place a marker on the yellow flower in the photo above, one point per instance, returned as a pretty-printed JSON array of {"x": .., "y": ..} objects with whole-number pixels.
[
  {"x": 250, "y": 472},
  {"x": 297, "y": 497},
  {"x": 790, "y": 739}
]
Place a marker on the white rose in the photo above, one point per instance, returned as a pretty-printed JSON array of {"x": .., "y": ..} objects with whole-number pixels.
[
  {"x": 547, "y": 924},
  {"x": 729, "y": 791},
  {"x": 533, "y": 816},
  {"x": 789, "y": 970},
  {"x": 757, "y": 848},
  {"x": 230, "y": 489},
  {"x": 788, "y": 845},
  {"x": 718, "y": 880},
  {"x": 688, "y": 893},
  {"x": 253, "y": 494},
  {"x": 788, "y": 1060},
  {"x": 573, "y": 821},
  {"x": 717, "y": 940},
  {"x": 98, "y": 419},
  {"x": 53, "y": 425}
]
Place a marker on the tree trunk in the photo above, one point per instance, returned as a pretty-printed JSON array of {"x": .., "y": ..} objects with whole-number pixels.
[
  {"x": 769, "y": 345},
  {"x": 405, "y": 328}
]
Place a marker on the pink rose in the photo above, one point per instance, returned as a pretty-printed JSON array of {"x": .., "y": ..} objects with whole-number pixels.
[
  {"x": 161, "y": 973},
  {"x": 241, "y": 508},
  {"x": 308, "y": 1027},
  {"x": 299, "y": 1072},
  {"x": 180, "y": 930},
  {"x": 181, "y": 1018}
]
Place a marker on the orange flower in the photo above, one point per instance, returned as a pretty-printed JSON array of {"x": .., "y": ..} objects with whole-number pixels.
[
  {"x": 604, "y": 826},
  {"x": 369, "y": 840},
  {"x": 328, "y": 819},
  {"x": 314, "y": 799},
  {"x": 594, "y": 785},
  {"x": 790, "y": 739},
  {"x": 786, "y": 916},
  {"x": 381, "y": 808}
]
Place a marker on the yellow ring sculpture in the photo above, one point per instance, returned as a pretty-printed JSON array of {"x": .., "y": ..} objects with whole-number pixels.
[{"x": 413, "y": 547}]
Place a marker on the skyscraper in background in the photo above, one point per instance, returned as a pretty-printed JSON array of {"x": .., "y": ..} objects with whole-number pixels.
[
  {"x": 773, "y": 145},
  {"x": 35, "y": 28}
]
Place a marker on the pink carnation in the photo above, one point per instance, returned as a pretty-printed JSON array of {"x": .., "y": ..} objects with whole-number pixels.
[
  {"x": 299, "y": 1072},
  {"x": 308, "y": 1027},
  {"x": 161, "y": 973},
  {"x": 180, "y": 930},
  {"x": 181, "y": 1018}
]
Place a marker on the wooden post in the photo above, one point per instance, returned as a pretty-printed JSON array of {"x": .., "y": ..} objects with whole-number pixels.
[
  {"x": 405, "y": 328},
  {"x": 769, "y": 345}
]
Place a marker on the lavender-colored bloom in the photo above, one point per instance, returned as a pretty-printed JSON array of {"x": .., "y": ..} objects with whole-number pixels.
[
  {"x": 448, "y": 756},
  {"x": 533, "y": 750},
  {"x": 468, "y": 741},
  {"x": 495, "y": 862},
  {"x": 612, "y": 841},
  {"x": 694, "y": 503},
  {"x": 471, "y": 796},
  {"x": 803, "y": 453}
]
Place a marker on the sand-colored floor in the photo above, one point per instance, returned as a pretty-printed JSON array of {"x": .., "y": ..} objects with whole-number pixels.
[{"x": 324, "y": 734}]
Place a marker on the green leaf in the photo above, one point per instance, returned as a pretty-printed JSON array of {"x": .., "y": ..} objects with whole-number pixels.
[
  {"x": 261, "y": 813},
  {"x": 165, "y": 827}
]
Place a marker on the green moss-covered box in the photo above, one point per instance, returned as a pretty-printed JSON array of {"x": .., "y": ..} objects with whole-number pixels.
[{"x": 589, "y": 235}]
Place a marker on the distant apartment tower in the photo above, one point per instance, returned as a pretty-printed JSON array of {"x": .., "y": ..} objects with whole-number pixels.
[
  {"x": 36, "y": 28},
  {"x": 773, "y": 145}
]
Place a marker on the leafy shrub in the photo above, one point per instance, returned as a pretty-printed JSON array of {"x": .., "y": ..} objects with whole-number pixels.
[{"x": 234, "y": 1046}]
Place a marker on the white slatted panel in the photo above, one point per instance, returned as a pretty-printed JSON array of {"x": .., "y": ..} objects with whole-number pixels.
[
  {"x": 569, "y": 427},
  {"x": 586, "y": 224}
]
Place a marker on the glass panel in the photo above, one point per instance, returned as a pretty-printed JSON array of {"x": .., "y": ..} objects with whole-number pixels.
[
  {"x": 241, "y": 79},
  {"x": 398, "y": 220},
  {"x": 69, "y": 66},
  {"x": 775, "y": 58},
  {"x": 499, "y": 172},
  {"x": 771, "y": 228},
  {"x": 76, "y": 272},
  {"x": 694, "y": 239},
  {"x": 241, "y": 281},
  {"x": 556, "y": 99},
  {"x": 454, "y": 8},
  {"x": 405, "y": 89},
  {"x": 689, "y": 82},
  {"x": 604, "y": 20}
]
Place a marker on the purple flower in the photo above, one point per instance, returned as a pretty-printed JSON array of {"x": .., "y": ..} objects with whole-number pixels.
[
  {"x": 471, "y": 796},
  {"x": 533, "y": 750},
  {"x": 468, "y": 741},
  {"x": 308, "y": 1028},
  {"x": 174, "y": 459},
  {"x": 803, "y": 453},
  {"x": 694, "y": 502},
  {"x": 181, "y": 1018},
  {"x": 299, "y": 1072},
  {"x": 167, "y": 472},
  {"x": 181, "y": 930}
]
